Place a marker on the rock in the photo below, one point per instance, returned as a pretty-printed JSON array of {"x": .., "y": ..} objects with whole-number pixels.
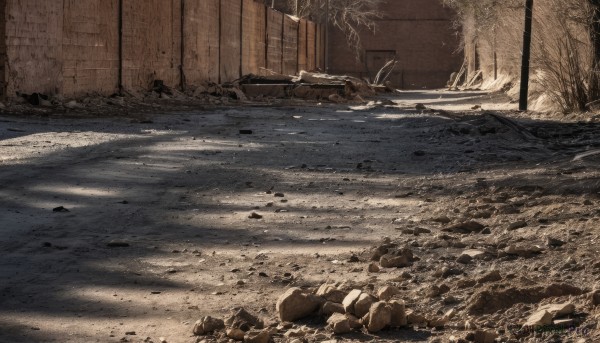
[
  {"x": 208, "y": 325},
  {"x": 474, "y": 253},
  {"x": 485, "y": 336},
  {"x": 350, "y": 300},
  {"x": 331, "y": 293},
  {"x": 517, "y": 225},
  {"x": 465, "y": 228},
  {"x": 464, "y": 259},
  {"x": 244, "y": 320},
  {"x": 385, "y": 293},
  {"x": 330, "y": 308},
  {"x": 255, "y": 215},
  {"x": 363, "y": 304},
  {"x": 301, "y": 332},
  {"x": 373, "y": 268},
  {"x": 558, "y": 310},
  {"x": 398, "y": 313},
  {"x": 595, "y": 297},
  {"x": 442, "y": 220},
  {"x": 397, "y": 259},
  {"x": 294, "y": 304},
  {"x": 492, "y": 276},
  {"x": 540, "y": 318},
  {"x": 380, "y": 316},
  {"x": 263, "y": 336},
  {"x": 414, "y": 318},
  {"x": 73, "y": 105},
  {"x": 420, "y": 107},
  {"x": 236, "y": 334},
  {"x": 342, "y": 323},
  {"x": 553, "y": 242},
  {"x": 437, "y": 322},
  {"x": 489, "y": 300},
  {"x": 379, "y": 251},
  {"x": 522, "y": 250}
]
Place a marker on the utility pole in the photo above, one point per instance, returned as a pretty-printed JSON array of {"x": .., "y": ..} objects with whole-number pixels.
[
  {"x": 523, "y": 100},
  {"x": 327, "y": 36}
]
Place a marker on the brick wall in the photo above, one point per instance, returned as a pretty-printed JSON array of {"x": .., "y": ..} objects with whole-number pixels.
[
  {"x": 418, "y": 33},
  {"x": 71, "y": 47}
]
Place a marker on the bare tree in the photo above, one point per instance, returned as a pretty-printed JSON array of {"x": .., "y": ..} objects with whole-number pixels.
[{"x": 350, "y": 16}]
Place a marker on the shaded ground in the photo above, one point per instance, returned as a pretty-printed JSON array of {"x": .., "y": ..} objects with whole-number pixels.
[{"x": 178, "y": 190}]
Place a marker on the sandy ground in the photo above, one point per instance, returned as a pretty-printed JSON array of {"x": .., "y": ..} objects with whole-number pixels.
[{"x": 155, "y": 231}]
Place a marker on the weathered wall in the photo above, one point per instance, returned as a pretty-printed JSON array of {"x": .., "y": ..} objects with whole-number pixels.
[
  {"x": 151, "y": 42},
  {"x": 90, "y": 46},
  {"x": 418, "y": 33},
  {"x": 253, "y": 42},
  {"x": 71, "y": 47},
  {"x": 231, "y": 40},
  {"x": 290, "y": 46},
  {"x": 201, "y": 42},
  {"x": 34, "y": 46}
]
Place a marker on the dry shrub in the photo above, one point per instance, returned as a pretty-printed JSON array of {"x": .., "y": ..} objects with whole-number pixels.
[{"x": 563, "y": 66}]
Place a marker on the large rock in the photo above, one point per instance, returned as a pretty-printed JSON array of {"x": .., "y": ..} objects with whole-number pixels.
[
  {"x": 539, "y": 318},
  {"x": 244, "y": 320},
  {"x": 385, "y": 293},
  {"x": 331, "y": 293},
  {"x": 379, "y": 317},
  {"x": 330, "y": 308},
  {"x": 235, "y": 334},
  {"x": 350, "y": 300},
  {"x": 208, "y": 325},
  {"x": 294, "y": 305},
  {"x": 363, "y": 304},
  {"x": 558, "y": 310},
  {"x": 342, "y": 323},
  {"x": 398, "y": 313}
]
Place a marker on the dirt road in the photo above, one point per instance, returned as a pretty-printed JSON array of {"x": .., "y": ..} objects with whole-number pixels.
[{"x": 119, "y": 230}]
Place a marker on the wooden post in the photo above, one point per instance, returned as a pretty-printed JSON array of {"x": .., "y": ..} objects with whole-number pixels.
[{"x": 523, "y": 101}]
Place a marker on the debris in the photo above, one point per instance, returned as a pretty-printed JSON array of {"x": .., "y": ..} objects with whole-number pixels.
[
  {"x": 465, "y": 227},
  {"x": 485, "y": 336},
  {"x": 208, "y": 325},
  {"x": 255, "y": 215},
  {"x": 342, "y": 323},
  {"x": 540, "y": 318},
  {"x": 263, "y": 336},
  {"x": 60, "y": 209},
  {"x": 117, "y": 244}
]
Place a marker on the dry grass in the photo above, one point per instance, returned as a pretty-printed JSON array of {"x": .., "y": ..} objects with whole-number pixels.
[{"x": 563, "y": 66}]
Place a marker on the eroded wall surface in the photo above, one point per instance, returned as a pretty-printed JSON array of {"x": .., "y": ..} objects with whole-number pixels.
[
  {"x": 72, "y": 47},
  {"x": 419, "y": 34}
]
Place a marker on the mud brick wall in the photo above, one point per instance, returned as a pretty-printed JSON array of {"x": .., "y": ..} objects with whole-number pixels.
[
  {"x": 71, "y": 47},
  {"x": 33, "y": 46},
  {"x": 290, "y": 45},
  {"x": 254, "y": 37},
  {"x": 201, "y": 41},
  {"x": 420, "y": 34},
  {"x": 90, "y": 46}
]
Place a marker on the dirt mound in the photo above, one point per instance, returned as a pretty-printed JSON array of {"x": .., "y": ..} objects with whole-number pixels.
[{"x": 489, "y": 301}]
